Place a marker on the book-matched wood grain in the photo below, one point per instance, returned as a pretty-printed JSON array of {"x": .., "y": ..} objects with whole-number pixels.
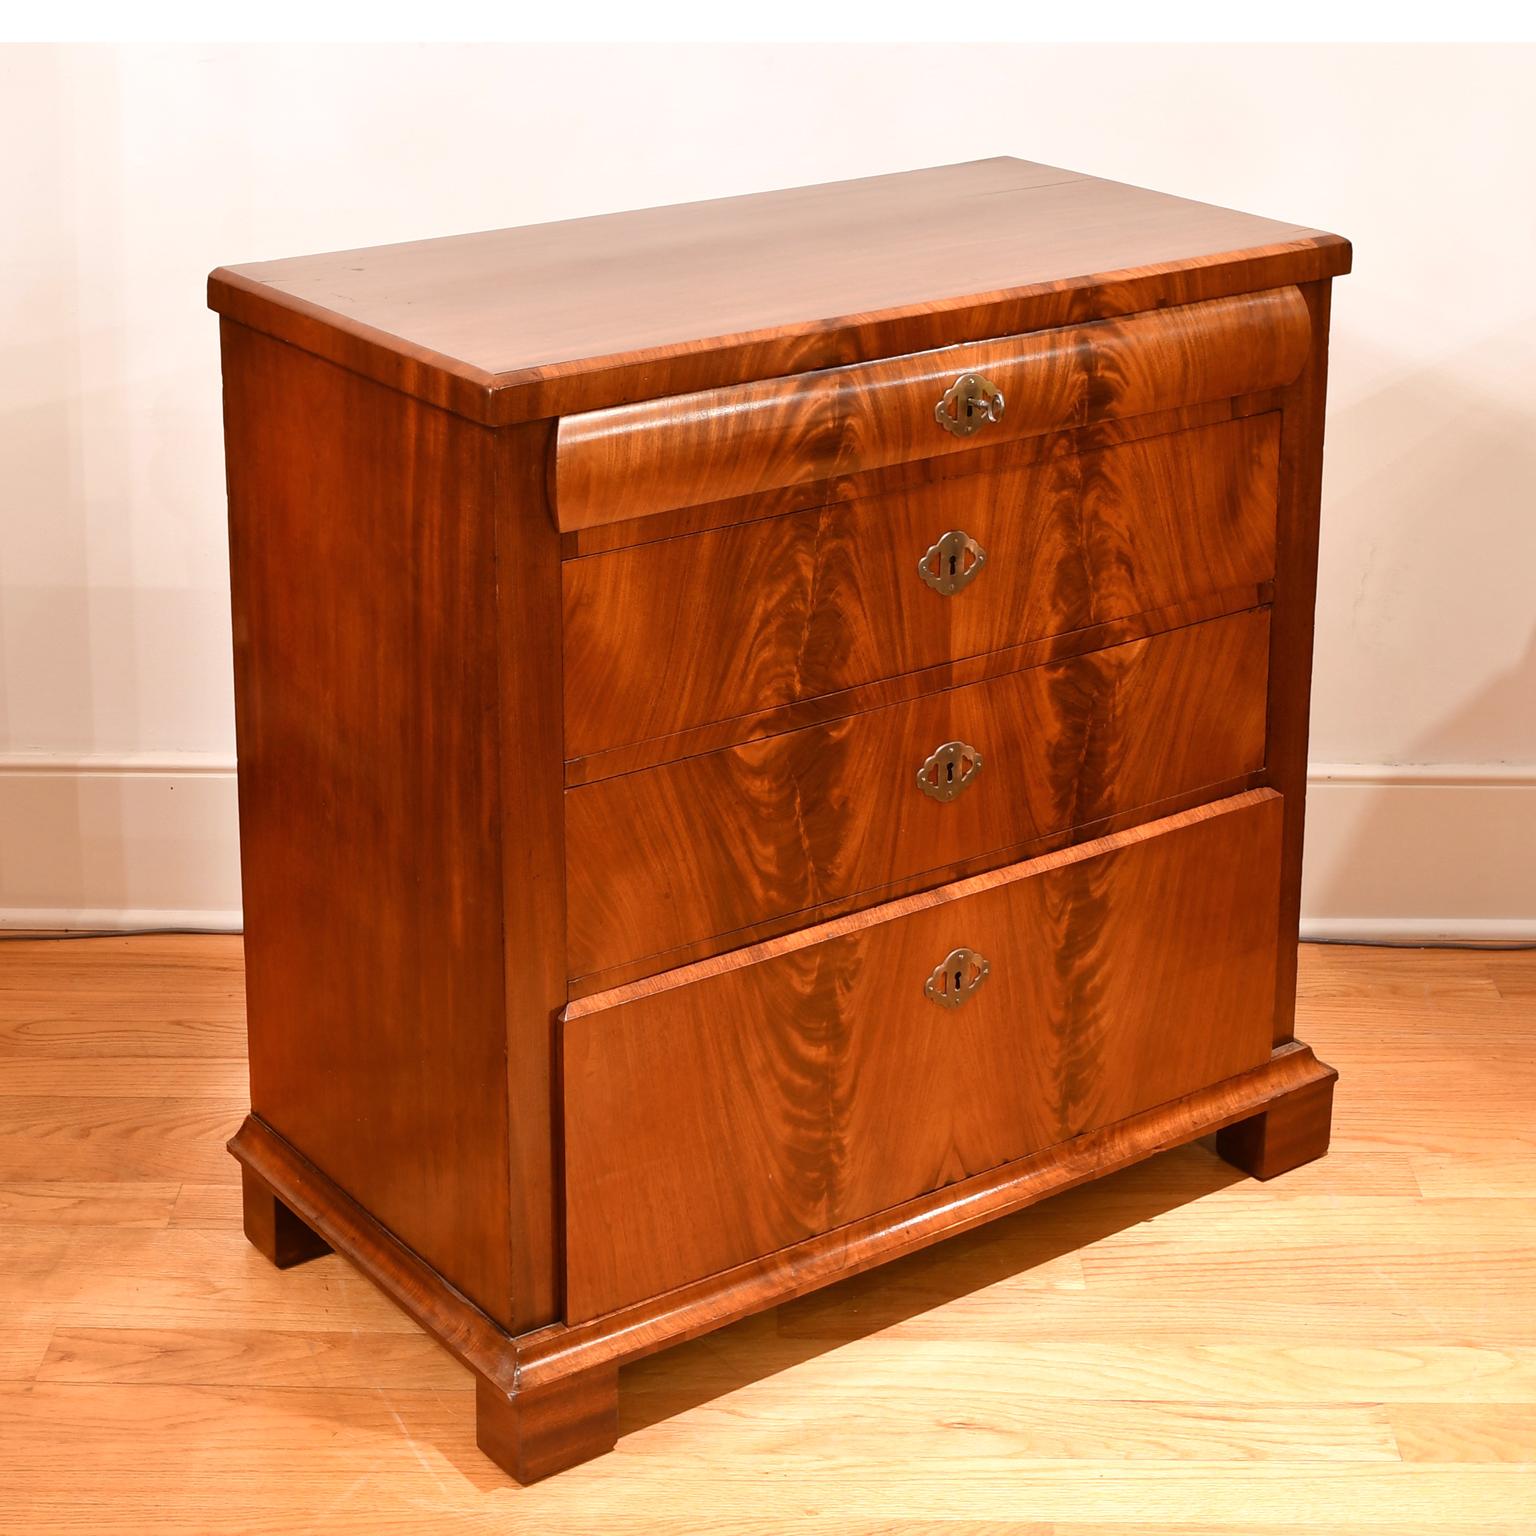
[
  {"x": 722, "y": 841},
  {"x": 766, "y": 614},
  {"x": 607, "y": 980},
  {"x": 720, "y": 1113},
  {"x": 997, "y": 459},
  {"x": 823, "y": 708},
  {"x": 635, "y": 460},
  {"x": 515, "y": 324}
]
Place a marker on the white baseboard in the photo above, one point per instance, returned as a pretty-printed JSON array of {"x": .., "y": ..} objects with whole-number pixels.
[
  {"x": 1397, "y": 854},
  {"x": 1480, "y": 932},
  {"x": 1420, "y": 853},
  {"x": 133, "y": 841},
  {"x": 107, "y": 920}
]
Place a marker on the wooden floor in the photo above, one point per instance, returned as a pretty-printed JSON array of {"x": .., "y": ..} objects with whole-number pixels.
[{"x": 1349, "y": 1349}]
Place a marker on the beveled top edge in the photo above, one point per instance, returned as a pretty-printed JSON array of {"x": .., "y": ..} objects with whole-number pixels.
[{"x": 512, "y": 325}]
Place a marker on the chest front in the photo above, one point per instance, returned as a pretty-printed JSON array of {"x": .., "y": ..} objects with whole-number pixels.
[{"x": 730, "y": 795}]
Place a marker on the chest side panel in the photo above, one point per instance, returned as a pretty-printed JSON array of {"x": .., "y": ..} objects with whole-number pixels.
[{"x": 366, "y": 676}]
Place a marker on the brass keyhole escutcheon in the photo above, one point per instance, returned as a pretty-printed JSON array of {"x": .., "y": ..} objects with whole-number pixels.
[
  {"x": 948, "y": 769},
  {"x": 968, "y": 405},
  {"x": 957, "y": 976},
  {"x": 953, "y": 563}
]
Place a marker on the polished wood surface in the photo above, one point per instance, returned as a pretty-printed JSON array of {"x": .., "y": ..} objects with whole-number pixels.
[
  {"x": 516, "y": 324},
  {"x": 454, "y": 474},
  {"x": 274, "y": 1230},
  {"x": 356, "y": 732},
  {"x": 636, "y": 460},
  {"x": 332, "y": 1217},
  {"x": 520, "y": 1368},
  {"x": 539, "y": 1431},
  {"x": 721, "y": 1113},
  {"x": 383, "y": 730},
  {"x": 1290, "y": 681},
  {"x": 766, "y": 614},
  {"x": 1349, "y": 1348},
  {"x": 580, "y": 988},
  {"x": 1284, "y": 1137},
  {"x": 662, "y": 1321},
  {"x": 530, "y": 843},
  {"x": 807, "y": 817},
  {"x": 998, "y": 458},
  {"x": 883, "y": 692}
]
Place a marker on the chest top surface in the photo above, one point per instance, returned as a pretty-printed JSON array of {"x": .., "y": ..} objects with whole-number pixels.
[{"x": 513, "y": 324}]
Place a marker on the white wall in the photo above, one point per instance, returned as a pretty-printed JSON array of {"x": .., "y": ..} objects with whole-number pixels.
[{"x": 128, "y": 173}]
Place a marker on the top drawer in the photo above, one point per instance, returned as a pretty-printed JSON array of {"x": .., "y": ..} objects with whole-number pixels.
[{"x": 658, "y": 455}]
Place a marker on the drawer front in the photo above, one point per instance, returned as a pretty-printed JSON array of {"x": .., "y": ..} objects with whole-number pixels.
[
  {"x": 659, "y": 455},
  {"x": 666, "y": 636},
  {"x": 727, "y": 1110},
  {"x": 710, "y": 844}
]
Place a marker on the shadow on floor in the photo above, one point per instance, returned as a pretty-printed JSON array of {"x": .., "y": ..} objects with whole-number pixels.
[{"x": 680, "y": 1378}]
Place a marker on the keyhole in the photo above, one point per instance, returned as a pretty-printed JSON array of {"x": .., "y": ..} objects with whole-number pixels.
[
  {"x": 954, "y": 564},
  {"x": 949, "y": 773},
  {"x": 957, "y": 980}
]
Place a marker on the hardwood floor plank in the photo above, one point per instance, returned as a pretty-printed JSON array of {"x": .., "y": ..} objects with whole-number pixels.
[
  {"x": 1176, "y": 1350},
  {"x": 772, "y": 1417},
  {"x": 131, "y": 1138},
  {"x": 188, "y": 1278},
  {"x": 347, "y": 1360},
  {"x": 209, "y": 1206},
  {"x": 116, "y": 1077},
  {"x": 306, "y": 1454},
  {"x": 1381, "y": 978},
  {"x": 1465, "y": 1432},
  {"x": 1147, "y": 1305},
  {"x": 24, "y": 1339},
  {"x": 1173, "y": 1370},
  {"x": 62, "y": 1203},
  {"x": 83, "y": 1029},
  {"x": 1496, "y": 1168}
]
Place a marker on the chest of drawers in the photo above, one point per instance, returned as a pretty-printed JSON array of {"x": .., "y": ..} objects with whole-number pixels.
[{"x": 770, "y": 732}]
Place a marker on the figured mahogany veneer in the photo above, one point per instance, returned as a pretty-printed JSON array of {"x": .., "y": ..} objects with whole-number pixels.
[
  {"x": 609, "y": 974},
  {"x": 1061, "y": 745},
  {"x": 633, "y": 460},
  {"x": 814, "y": 1072},
  {"x": 997, "y": 458},
  {"x": 796, "y": 607}
]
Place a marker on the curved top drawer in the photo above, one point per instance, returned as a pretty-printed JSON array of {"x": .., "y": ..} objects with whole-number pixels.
[{"x": 687, "y": 450}]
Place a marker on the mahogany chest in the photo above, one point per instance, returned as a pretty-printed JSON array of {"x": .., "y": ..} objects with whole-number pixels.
[{"x": 770, "y": 732}]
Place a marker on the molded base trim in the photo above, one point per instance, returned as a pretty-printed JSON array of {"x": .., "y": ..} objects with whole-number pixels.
[{"x": 533, "y": 1362}]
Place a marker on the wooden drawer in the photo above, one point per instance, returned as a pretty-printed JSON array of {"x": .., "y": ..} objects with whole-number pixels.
[
  {"x": 723, "y": 1111},
  {"x": 658, "y": 455},
  {"x": 719, "y": 842},
  {"x": 666, "y": 636}
]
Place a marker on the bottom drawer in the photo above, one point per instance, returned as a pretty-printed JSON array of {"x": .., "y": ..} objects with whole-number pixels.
[{"x": 719, "y": 1112}]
